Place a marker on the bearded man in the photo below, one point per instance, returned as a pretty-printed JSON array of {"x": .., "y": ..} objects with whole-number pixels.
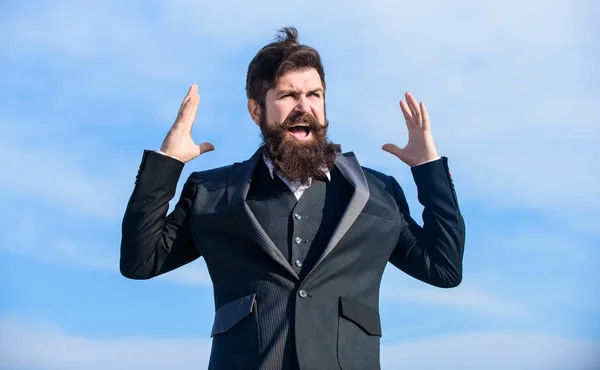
[{"x": 297, "y": 237}]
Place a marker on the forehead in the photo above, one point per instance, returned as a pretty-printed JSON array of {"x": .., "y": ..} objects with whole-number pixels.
[{"x": 305, "y": 79}]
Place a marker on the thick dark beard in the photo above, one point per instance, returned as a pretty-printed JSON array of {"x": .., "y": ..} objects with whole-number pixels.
[{"x": 297, "y": 160}]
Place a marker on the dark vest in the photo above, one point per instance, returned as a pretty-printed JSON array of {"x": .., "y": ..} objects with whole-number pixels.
[{"x": 300, "y": 229}]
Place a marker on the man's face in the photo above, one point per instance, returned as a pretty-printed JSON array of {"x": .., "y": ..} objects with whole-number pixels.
[
  {"x": 294, "y": 126},
  {"x": 297, "y": 94}
]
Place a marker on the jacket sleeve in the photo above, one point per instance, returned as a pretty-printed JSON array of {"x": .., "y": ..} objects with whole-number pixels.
[
  {"x": 153, "y": 243},
  {"x": 432, "y": 253}
]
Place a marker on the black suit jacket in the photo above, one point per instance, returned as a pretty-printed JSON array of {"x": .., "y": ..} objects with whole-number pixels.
[{"x": 258, "y": 296}]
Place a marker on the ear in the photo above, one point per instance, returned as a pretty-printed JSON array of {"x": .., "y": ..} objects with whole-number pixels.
[{"x": 254, "y": 110}]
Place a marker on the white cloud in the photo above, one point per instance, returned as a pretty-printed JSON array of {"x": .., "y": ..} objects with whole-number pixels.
[
  {"x": 496, "y": 286},
  {"x": 462, "y": 298},
  {"x": 27, "y": 236},
  {"x": 85, "y": 256},
  {"x": 43, "y": 346},
  {"x": 490, "y": 71},
  {"x": 510, "y": 90},
  {"x": 51, "y": 176},
  {"x": 494, "y": 350}
]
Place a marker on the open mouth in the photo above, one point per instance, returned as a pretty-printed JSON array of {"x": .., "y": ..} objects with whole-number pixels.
[{"x": 300, "y": 132}]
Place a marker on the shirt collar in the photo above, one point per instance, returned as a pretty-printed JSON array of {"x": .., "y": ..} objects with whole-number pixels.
[{"x": 272, "y": 169}]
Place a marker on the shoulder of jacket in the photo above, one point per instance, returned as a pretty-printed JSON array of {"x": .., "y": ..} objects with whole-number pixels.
[
  {"x": 217, "y": 175},
  {"x": 376, "y": 176}
]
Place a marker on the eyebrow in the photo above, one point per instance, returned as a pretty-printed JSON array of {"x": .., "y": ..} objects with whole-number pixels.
[{"x": 294, "y": 91}]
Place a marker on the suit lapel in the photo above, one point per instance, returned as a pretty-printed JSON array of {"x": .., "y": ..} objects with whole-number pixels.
[
  {"x": 237, "y": 190},
  {"x": 352, "y": 171}
]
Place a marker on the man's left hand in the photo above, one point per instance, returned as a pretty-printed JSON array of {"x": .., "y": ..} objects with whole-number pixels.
[{"x": 420, "y": 147}]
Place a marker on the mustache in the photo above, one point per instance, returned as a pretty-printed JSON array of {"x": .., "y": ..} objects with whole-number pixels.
[{"x": 303, "y": 118}]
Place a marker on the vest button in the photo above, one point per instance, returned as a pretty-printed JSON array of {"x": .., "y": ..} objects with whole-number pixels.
[
  {"x": 302, "y": 293},
  {"x": 298, "y": 263},
  {"x": 297, "y": 216},
  {"x": 298, "y": 240}
]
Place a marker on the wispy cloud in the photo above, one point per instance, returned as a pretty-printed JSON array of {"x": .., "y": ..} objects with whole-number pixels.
[
  {"x": 44, "y": 346},
  {"x": 463, "y": 298},
  {"x": 38, "y": 345},
  {"x": 47, "y": 175},
  {"x": 511, "y": 273},
  {"x": 494, "y": 350},
  {"x": 510, "y": 89},
  {"x": 86, "y": 256},
  {"x": 490, "y": 80},
  {"x": 30, "y": 236}
]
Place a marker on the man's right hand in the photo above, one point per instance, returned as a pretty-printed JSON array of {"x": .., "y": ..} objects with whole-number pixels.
[{"x": 179, "y": 143}]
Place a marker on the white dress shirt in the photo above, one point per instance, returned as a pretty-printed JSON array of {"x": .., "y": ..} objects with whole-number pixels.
[{"x": 296, "y": 187}]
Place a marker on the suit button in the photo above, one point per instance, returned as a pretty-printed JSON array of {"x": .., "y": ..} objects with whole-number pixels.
[
  {"x": 298, "y": 240},
  {"x": 302, "y": 293},
  {"x": 298, "y": 263},
  {"x": 297, "y": 216}
]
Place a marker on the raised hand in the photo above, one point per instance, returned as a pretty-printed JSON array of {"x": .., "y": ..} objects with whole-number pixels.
[
  {"x": 420, "y": 147},
  {"x": 179, "y": 143}
]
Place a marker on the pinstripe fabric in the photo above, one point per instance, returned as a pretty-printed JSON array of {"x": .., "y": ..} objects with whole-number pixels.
[
  {"x": 349, "y": 168},
  {"x": 239, "y": 184},
  {"x": 276, "y": 293},
  {"x": 272, "y": 202},
  {"x": 333, "y": 312},
  {"x": 242, "y": 260}
]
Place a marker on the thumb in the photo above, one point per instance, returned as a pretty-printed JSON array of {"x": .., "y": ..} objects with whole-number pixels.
[
  {"x": 206, "y": 147},
  {"x": 393, "y": 149}
]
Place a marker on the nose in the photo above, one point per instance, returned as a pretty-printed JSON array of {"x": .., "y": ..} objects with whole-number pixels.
[{"x": 303, "y": 105}]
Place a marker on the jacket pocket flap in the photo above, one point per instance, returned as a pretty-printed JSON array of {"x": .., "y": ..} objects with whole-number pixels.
[
  {"x": 366, "y": 317},
  {"x": 231, "y": 313}
]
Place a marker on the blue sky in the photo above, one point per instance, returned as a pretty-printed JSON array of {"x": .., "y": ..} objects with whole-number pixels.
[{"x": 512, "y": 92}]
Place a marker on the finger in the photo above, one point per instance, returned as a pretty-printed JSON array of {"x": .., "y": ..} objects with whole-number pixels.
[
  {"x": 206, "y": 147},
  {"x": 186, "y": 98},
  {"x": 188, "y": 111},
  {"x": 193, "y": 90},
  {"x": 414, "y": 108},
  {"x": 393, "y": 149},
  {"x": 180, "y": 122},
  {"x": 407, "y": 114},
  {"x": 425, "y": 117},
  {"x": 191, "y": 113},
  {"x": 188, "y": 114},
  {"x": 184, "y": 105}
]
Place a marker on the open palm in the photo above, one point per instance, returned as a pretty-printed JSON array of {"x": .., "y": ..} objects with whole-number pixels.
[
  {"x": 179, "y": 143},
  {"x": 420, "y": 147}
]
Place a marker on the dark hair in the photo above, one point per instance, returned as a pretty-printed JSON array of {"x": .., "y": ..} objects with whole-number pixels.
[{"x": 274, "y": 60}]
